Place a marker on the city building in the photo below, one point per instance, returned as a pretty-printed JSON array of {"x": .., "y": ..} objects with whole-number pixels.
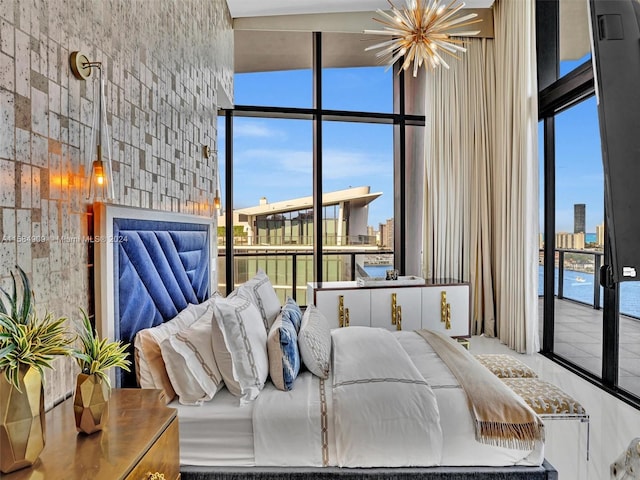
[
  {"x": 289, "y": 223},
  {"x": 386, "y": 233},
  {"x": 600, "y": 235},
  {"x": 579, "y": 216},
  {"x": 572, "y": 241},
  {"x": 272, "y": 236}
]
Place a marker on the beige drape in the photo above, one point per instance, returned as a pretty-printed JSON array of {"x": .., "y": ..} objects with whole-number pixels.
[{"x": 480, "y": 211}]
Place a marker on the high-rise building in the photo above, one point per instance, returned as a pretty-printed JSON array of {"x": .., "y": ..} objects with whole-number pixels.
[
  {"x": 579, "y": 214},
  {"x": 386, "y": 233},
  {"x": 600, "y": 235}
]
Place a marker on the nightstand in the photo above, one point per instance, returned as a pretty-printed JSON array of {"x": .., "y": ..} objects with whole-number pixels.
[{"x": 139, "y": 440}]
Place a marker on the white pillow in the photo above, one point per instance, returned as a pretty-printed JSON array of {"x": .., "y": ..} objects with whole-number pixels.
[
  {"x": 150, "y": 368},
  {"x": 240, "y": 346},
  {"x": 262, "y": 294},
  {"x": 314, "y": 342},
  {"x": 190, "y": 362}
]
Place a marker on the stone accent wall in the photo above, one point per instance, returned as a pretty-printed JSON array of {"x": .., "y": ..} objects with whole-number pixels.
[{"x": 166, "y": 64}]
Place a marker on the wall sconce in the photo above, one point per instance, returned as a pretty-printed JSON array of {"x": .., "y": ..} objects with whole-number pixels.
[
  {"x": 101, "y": 176},
  {"x": 207, "y": 152}
]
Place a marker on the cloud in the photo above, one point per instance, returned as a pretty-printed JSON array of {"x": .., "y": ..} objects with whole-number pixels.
[
  {"x": 283, "y": 174},
  {"x": 337, "y": 164},
  {"x": 256, "y": 129}
]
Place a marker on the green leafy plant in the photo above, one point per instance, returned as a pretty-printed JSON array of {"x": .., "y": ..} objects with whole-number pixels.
[
  {"x": 97, "y": 356},
  {"x": 25, "y": 339}
]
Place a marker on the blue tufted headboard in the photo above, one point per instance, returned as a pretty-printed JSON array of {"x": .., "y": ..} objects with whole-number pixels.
[{"x": 149, "y": 265}]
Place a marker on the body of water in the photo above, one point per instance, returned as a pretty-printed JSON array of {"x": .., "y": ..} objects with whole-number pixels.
[{"x": 579, "y": 286}]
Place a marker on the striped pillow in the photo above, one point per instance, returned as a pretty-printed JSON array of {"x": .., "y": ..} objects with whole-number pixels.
[
  {"x": 240, "y": 346},
  {"x": 190, "y": 363}
]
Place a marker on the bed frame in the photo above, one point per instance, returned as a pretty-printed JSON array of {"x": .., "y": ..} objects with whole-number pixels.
[{"x": 149, "y": 265}]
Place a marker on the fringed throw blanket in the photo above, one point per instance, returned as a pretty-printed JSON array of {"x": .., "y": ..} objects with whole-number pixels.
[{"x": 501, "y": 418}]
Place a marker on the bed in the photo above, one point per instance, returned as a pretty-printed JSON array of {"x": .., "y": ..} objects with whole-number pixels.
[{"x": 153, "y": 265}]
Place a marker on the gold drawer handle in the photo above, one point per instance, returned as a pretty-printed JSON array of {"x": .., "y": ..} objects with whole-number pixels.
[
  {"x": 447, "y": 323},
  {"x": 399, "y": 318},
  {"x": 346, "y": 317},
  {"x": 394, "y": 308},
  {"x": 341, "y": 311},
  {"x": 155, "y": 476}
]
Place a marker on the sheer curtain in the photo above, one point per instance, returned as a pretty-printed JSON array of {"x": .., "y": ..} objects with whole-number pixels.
[
  {"x": 480, "y": 210},
  {"x": 516, "y": 172}
]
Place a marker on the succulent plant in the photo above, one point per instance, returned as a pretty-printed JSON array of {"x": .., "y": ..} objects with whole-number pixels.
[
  {"x": 96, "y": 356},
  {"x": 25, "y": 339}
]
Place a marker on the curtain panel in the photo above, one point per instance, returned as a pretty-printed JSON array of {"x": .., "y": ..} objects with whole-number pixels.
[{"x": 481, "y": 176}]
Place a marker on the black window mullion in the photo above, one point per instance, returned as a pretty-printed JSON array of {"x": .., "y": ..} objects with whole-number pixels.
[
  {"x": 399, "y": 169},
  {"x": 317, "y": 156},
  {"x": 228, "y": 199},
  {"x": 549, "y": 234}
]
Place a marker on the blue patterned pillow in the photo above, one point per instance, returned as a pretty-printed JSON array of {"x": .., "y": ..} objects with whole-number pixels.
[
  {"x": 284, "y": 356},
  {"x": 291, "y": 311}
]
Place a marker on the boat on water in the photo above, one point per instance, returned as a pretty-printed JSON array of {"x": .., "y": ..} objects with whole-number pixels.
[{"x": 580, "y": 279}]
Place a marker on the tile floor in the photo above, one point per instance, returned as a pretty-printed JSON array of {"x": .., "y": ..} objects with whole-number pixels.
[
  {"x": 613, "y": 424},
  {"x": 579, "y": 339}
]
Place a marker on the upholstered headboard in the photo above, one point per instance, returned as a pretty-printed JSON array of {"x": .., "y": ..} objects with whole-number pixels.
[{"x": 149, "y": 265}]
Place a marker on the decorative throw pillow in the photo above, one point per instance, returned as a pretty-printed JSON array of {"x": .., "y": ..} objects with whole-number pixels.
[
  {"x": 314, "y": 341},
  {"x": 190, "y": 362},
  {"x": 261, "y": 293},
  {"x": 284, "y": 356},
  {"x": 150, "y": 368},
  {"x": 292, "y": 312},
  {"x": 240, "y": 346}
]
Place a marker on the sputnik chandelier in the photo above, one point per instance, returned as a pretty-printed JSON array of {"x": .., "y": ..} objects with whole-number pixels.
[{"x": 421, "y": 31}]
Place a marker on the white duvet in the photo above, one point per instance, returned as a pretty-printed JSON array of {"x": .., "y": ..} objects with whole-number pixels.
[{"x": 389, "y": 402}]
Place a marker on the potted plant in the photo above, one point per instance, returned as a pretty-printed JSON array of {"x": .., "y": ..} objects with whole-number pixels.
[
  {"x": 95, "y": 357},
  {"x": 28, "y": 345}
]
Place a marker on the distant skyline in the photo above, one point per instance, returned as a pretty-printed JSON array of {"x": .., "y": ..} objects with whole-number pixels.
[{"x": 266, "y": 151}]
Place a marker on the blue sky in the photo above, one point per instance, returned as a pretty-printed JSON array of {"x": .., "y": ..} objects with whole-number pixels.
[
  {"x": 579, "y": 172},
  {"x": 266, "y": 151},
  {"x": 273, "y": 156}
]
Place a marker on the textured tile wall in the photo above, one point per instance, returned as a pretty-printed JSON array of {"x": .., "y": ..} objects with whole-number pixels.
[{"x": 165, "y": 63}]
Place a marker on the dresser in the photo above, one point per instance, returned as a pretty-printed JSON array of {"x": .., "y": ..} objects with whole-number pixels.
[
  {"x": 440, "y": 305},
  {"x": 139, "y": 440}
]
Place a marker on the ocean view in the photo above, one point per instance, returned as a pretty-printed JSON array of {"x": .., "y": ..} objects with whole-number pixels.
[{"x": 577, "y": 286}]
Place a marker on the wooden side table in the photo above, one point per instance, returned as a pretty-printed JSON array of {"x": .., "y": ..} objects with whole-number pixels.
[{"x": 139, "y": 440}]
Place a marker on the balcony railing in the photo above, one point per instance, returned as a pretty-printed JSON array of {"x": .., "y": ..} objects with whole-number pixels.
[
  {"x": 297, "y": 240},
  {"x": 577, "y": 278},
  {"x": 291, "y": 270}
]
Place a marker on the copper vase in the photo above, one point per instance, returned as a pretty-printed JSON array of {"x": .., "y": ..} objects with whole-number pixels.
[
  {"x": 22, "y": 424},
  {"x": 91, "y": 403}
]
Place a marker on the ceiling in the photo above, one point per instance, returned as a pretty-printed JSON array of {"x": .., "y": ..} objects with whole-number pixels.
[
  {"x": 260, "y": 8},
  {"x": 275, "y": 34}
]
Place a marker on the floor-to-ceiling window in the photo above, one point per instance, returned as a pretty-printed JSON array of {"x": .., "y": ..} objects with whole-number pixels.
[
  {"x": 585, "y": 327},
  {"x": 304, "y": 142},
  {"x": 579, "y": 211}
]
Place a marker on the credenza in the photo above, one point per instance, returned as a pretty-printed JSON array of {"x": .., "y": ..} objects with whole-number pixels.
[{"x": 440, "y": 305}]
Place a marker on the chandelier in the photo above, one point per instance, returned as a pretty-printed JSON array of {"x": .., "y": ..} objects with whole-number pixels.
[{"x": 422, "y": 31}]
